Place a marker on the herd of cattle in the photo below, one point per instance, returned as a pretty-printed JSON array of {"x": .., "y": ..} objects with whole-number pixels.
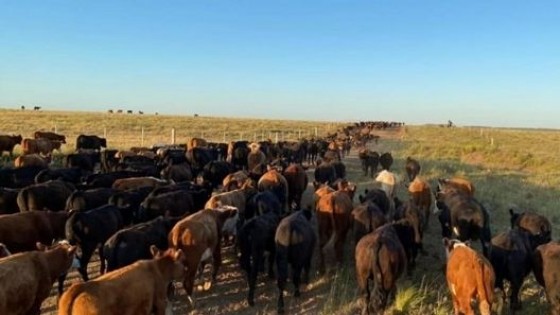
[{"x": 141, "y": 210}]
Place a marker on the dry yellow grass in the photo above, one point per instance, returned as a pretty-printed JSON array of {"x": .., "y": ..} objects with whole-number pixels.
[{"x": 125, "y": 130}]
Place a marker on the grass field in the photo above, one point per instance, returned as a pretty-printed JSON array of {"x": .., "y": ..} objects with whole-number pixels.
[
  {"x": 126, "y": 130},
  {"x": 510, "y": 168}
]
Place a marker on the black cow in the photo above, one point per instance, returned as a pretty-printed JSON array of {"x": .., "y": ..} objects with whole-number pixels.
[
  {"x": 90, "y": 229},
  {"x": 325, "y": 173},
  {"x": 70, "y": 175},
  {"x": 107, "y": 179},
  {"x": 8, "y": 200},
  {"x": 88, "y": 199},
  {"x": 370, "y": 162},
  {"x": 131, "y": 244},
  {"x": 386, "y": 160},
  {"x": 378, "y": 197},
  {"x": 83, "y": 160},
  {"x": 340, "y": 170},
  {"x": 295, "y": 242},
  {"x": 215, "y": 171},
  {"x": 49, "y": 135},
  {"x": 366, "y": 218},
  {"x": 511, "y": 258},
  {"x": 174, "y": 204},
  {"x": 239, "y": 152},
  {"x": 19, "y": 177},
  {"x": 463, "y": 216},
  {"x": 90, "y": 142},
  {"x": 7, "y": 143},
  {"x": 129, "y": 201},
  {"x": 108, "y": 160},
  {"x": 51, "y": 195},
  {"x": 177, "y": 172},
  {"x": 412, "y": 168},
  {"x": 256, "y": 236}
]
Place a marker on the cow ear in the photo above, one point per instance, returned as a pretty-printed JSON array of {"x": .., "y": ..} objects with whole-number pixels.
[
  {"x": 468, "y": 243},
  {"x": 41, "y": 246},
  {"x": 154, "y": 250}
]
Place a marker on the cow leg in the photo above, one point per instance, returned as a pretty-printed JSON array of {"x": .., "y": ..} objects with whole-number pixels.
[
  {"x": 307, "y": 267},
  {"x": 188, "y": 283},
  {"x": 217, "y": 257},
  {"x": 515, "y": 304},
  {"x": 102, "y": 260},
  {"x": 271, "y": 259},
  {"x": 61, "y": 283},
  {"x": 87, "y": 252},
  {"x": 296, "y": 277},
  {"x": 282, "y": 267},
  {"x": 253, "y": 273}
]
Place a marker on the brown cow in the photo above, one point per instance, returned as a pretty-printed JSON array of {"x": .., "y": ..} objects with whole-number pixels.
[
  {"x": 334, "y": 220},
  {"x": 197, "y": 143},
  {"x": 137, "y": 183},
  {"x": 546, "y": 266},
  {"x": 469, "y": 276},
  {"x": 256, "y": 159},
  {"x": 31, "y": 160},
  {"x": 199, "y": 235},
  {"x": 137, "y": 289},
  {"x": 27, "y": 278},
  {"x": 43, "y": 146},
  {"x": 297, "y": 184},
  {"x": 366, "y": 218},
  {"x": 380, "y": 257},
  {"x": 274, "y": 181},
  {"x": 235, "y": 180},
  {"x": 421, "y": 196},
  {"x": 49, "y": 135},
  {"x": 236, "y": 198},
  {"x": 21, "y": 231}
]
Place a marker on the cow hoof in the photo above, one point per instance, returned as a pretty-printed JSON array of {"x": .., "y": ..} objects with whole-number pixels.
[{"x": 191, "y": 301}]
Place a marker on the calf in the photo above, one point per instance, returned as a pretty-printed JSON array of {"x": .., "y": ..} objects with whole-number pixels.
[
  {"x": 51, "y": 195},
  {"x": 236, "y": 198},
  {"x": 43, "y": 146},
  {"x": 90, "y": 230},
  {"x": 546, "y": 267},
  {"x": 295, "y": 242},
  {"x": 139, "y": 289},
  {"x": 90, "y": 142},
  {"x": 380, "y": 257},
  {"x": 469, "y": 276},
  {"x": 386, "y": 160},
  {"x": 511, "y": 257},
  {"x": 131, "y": 244},
  {"x": 199, "y": 235},
  {"x": 27, "y": 278},
  {"x": 297, "y": 181},
  {"x": 369, "y": 160}
]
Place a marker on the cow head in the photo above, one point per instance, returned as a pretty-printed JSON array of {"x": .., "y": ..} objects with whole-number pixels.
[
  {"x": 172, "y": 261},
  {"x": 450, "y": 244}
]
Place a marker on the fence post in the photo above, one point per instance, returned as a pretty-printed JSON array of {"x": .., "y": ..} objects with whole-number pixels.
[
  {"x": 225, "y": 137},
  {"x": 172, "y": 135},
  {"x": 105, "y": 132},
  {"x": 142, "y": 142},
  {"x": 315, "y": 131},
  {"x": 299, "y": 134},
  {"x": 240, "y": 136},
  {"x": 277, "y": 137}
]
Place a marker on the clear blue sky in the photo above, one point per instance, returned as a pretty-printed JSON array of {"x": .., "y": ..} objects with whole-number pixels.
[{"x": 493, "y": 63}]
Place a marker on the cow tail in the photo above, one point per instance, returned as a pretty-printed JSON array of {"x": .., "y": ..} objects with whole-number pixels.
[
  {"x": 377, "y": 269},
  {"x": 111, "y": 253},
  {"x": 484, "y": 288},
  {"x": 66, "y": 302},
  {"x": 22, "y": 199}
]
